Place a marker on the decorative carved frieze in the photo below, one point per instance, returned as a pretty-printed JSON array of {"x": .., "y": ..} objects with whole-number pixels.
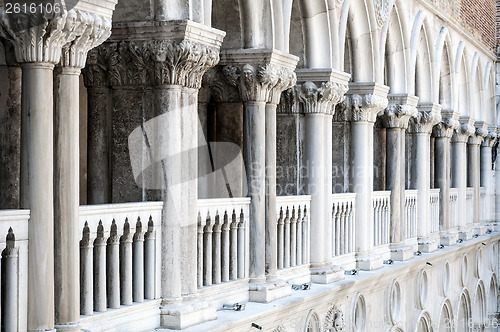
[
  {"x": 399, "y": 111},
  {"x": 428, "y": 116},
  {"x": 321, "y": 99},
  {"x": 366, "y": 101},
  {"x": 334, "y": 320},
  {"x": 464, "y": 130},
  {"x": 448, "y": 124}
]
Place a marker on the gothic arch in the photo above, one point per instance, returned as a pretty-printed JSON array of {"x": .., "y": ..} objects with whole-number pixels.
[
  {"x": 488, "y": 94},
  {"x": 312, "y": 322},
  {"x": 479, "y": 309},
  {"x": 443, "y": 71},
  {"x": 463, "y": 311},
  {"x": 421, "y": 58},
  {"x": 476, "y": 88},
  {"x": 424, "y": 323},
  {"x": 492, "y": 296},
  {"x": 445, "y": 316},
  {"x": 462, "y": 91}
]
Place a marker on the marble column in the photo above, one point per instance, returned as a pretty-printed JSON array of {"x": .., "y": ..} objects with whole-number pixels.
[
  {"x": 366, "y": 100},
  {"x": 318, "y": 93},
  {"x": 421, "y": 128},
  {"x": 487, "y": 173},
  {"x": 261, "y": 76},
  {"x": 67, "y": 170},
  {"x": 459, "y": 172},
  {"x": 442, "y": 132},
  {"x": 474, "y": 171},
  {"x": 395, "y": 119}
]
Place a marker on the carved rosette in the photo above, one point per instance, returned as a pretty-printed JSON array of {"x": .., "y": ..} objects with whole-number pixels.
[
  {"x": 428, "y": 116},
  {"x": 259, "y": 83},
  {"x": 364, "y": 108},
  {"x": 40, "y": 38},
  {"x": 399, "y": 111},
  {"x": 334, "y": 320},
  {"x": 322, "y": 99}
]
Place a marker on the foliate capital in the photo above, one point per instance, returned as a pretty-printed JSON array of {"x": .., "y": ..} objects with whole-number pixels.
[
  {"x": 480, "y": 133},
  {"x": 366, "y": 100},
  {"x": 447, "y": 126},
  {"x": 429, "y": 114},
  {"x": 491, "y": 138},
  {"x": 320, "y": 99},
  {"x": 464, "y": 130},
  {"x": 399, "y": 111},
  {"x": 221, "y": 90}
]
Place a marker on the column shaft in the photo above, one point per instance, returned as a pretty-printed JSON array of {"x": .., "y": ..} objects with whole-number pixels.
[
  {"x": 328, "y": 185},
  {"x": 270, "y": 208},
  {"x": 459, "y": 180},
  {"x": 37, "y": 107},
  {"x": 67, "y": 197},
  {"x": 394, "y": 184},
  {"x": 442, "y": 180},
  {"x": 422, "y": 183},
  {"x": 487, "y": 180},
  {"x": 474, "y": 177}
]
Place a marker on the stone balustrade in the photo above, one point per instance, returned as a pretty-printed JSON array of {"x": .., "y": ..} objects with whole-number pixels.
[
  {"x": 484, "y": 204},
  {"x": 434, "y": 207},
  {"x": 469, "y": 203},
  {"x": 453, "y": 199},
  {"x": 381, "y": 217},
  {"x": 411, "y": 200},
  {"x": 343, "y": 224}
]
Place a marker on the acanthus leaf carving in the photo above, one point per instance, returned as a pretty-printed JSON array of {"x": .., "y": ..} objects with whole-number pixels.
[
  {"x": 366, "y": 107},
  {"x": 321, "y": 99}
]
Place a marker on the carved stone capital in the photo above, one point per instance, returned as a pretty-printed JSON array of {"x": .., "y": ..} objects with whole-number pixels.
[
  {"x": 491, "y": 138},
  {"x": 447, "y": 126},
  {"x": 465, "y": 129},
  {"x": 289, "y": 102},
  {"x": 429, "y": 114},
  {"x": 480, "y": 133},
  {"x": 366, "y": 100},
  {"x": 260, "y": 75},
  {"x": 221, "y": 90},
  {"x": 320, "y": 99},
  {"x": 399, "y": 111}
]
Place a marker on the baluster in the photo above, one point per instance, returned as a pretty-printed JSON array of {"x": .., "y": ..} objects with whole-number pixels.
[
  {"x": 113, "y": 267},
  {"x": 150, "y": 261},
  {"x": 207, "y": 252},
  {"x": 10, "y": 268},
  {"x": 375, "y": 222},
  {"x": 138, "y": 263},
  {"x": 241, "y": 246},
  {"x": 281, "y": 246},
  {"x": 343, "y": 229},
  {"x": 216, "y": 248},
  {"x": 300, "y": 259},
  {"x": 100, "y": 270},
  {"x": 199, "y": 254},
  {"x": 336, "y": 229},
  {"x": 233, "y": 248},
  {"x": 225, "y": 248},
  {"x": 86, "y": 273},
  {"x": 351, "y": 227},
  {"x": 387, "y": 220},
  {"x": 305, "y": 239},
  {"x": 287, "y": 239},
  {"x": 125, "y": 257},
  {"x": 293, "y": 238}
]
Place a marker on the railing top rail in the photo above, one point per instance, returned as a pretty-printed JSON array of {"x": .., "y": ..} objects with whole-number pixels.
[
  {"x": 412, "y": 192},
  {"x": 90, "y": 210},
  {"x": 470, "y": 188},
  {"x": 382, "y": 193},
  {"x": 209, "y": 202},
  {"x": 344, "y": 196},
  {"x": 293, "y": 199},
  {"x": 435, "y": 191},
  {"x": 453, "y": 191},
  {"x": 17, "y": 220}
]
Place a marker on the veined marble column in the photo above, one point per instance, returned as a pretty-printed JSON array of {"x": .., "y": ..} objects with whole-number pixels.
[
  {"x": 459, "y": 172},
  {"x": 442, "y": 132},
  {"x": 365, "y": 101},
  {"x": 260, "y": 83},
  {"x": 67, "y": 170},
  {"x": 474, "y": 170},
  {"x": 318, "y": 93},
  {"x": 421, "y": 128},
  {"x": 395, "y": 119},
  {"x": 488, "y": 173}
]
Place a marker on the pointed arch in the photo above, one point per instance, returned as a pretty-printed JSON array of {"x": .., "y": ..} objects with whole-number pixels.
[
  {"x": 444, "y": 71},
  {"x": 462, "y": 91},
  {"x": 476, "y": 88}
]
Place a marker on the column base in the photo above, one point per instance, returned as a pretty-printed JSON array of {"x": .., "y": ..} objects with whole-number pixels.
[
  {"x": 493, "y": 226},
  {"x": 465, "y": 233},
  {"x": 68, "y": 327},
  {"x": 266, "y": 292},
  {"x": 401, "y": 252},
  {"x": 479, "y": 229},
  {"x": 182, "y": 315},
  {"x": 327, "y": 274},
  {"x": 369, "y": 262},
  {"x": 428, "y": 244},
  {"x": 448, "y": 238}
]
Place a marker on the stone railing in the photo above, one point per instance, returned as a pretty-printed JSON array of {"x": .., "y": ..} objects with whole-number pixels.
[
  {"x": 343, "y": 224},
  {"x": 222, "y": 244},
  {"x": 469, "y": 203},
  {"x": 434, "y": 210},
  {"x": 14, "y": 265},
  {"x": 484, "y": 208},
  {"x": 120, "y": 250},
  {"x": 411, "y": 203},
  {"x": 453, "y": 204},
  {"x": 381, "y": 217},
  {"x": 293, "y": 230}
]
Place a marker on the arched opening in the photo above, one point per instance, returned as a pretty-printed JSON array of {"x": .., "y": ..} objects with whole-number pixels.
[
  {"x": 424, "y": 323},
  {"x": 492, "y": 296},
  {"x": 446, "y": 318},
  {"x": 312, "y": 323},
  {"x": 359, "y": 314},
  {"x": 464, "y": 313},
  {"x": 479, "y": 313}
]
